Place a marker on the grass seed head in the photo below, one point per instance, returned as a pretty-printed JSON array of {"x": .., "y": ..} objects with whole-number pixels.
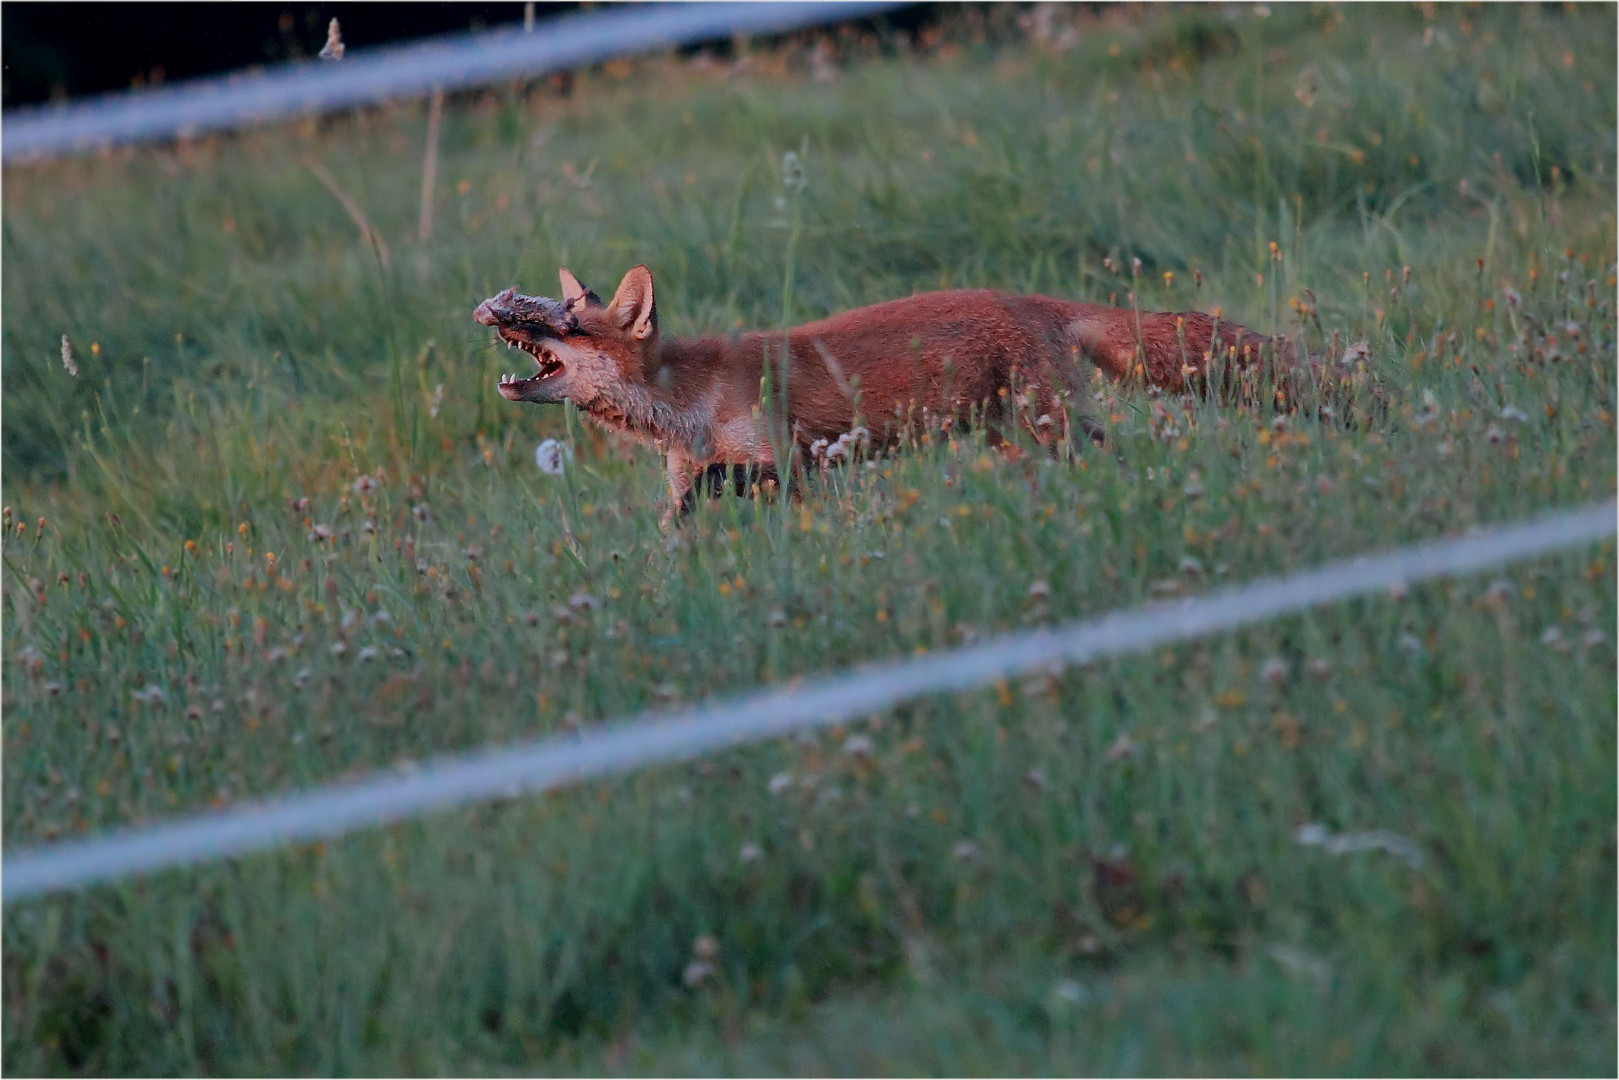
[{"x": 334, "y": 47}]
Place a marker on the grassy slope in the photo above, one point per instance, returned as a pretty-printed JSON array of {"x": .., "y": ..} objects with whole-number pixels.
[{"x": 1139, "y": 903}]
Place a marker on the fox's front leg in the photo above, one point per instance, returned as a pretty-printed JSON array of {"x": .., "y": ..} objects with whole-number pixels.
[{"x": 682, "y": 490}]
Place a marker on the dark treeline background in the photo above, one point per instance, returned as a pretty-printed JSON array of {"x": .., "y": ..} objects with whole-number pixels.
[
  {"x": 57, "y": 51},
  {"x": 54, "y": 51}
]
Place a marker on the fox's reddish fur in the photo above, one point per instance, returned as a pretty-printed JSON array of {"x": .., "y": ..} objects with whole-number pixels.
[{"x": 890, "y": 367}]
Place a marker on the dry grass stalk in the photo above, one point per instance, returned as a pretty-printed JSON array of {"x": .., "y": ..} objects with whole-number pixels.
[
  {"x": 367, "y": 233},
  {"x": 435, "y": 113}
]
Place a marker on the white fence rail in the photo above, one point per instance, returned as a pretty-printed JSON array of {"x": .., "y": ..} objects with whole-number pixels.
[
  {"x": 367, "y": 76},
  {"x": 659, "y": 738}
]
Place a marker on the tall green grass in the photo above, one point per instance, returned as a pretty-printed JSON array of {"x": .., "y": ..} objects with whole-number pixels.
[{"x": 1095, "y": 871}]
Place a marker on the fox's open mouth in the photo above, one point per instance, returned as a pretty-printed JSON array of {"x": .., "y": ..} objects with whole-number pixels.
[
  {"x": 530, "y": 323},
  {"x": 547, "y": 360},
  {"x": 515, "y": 388}
]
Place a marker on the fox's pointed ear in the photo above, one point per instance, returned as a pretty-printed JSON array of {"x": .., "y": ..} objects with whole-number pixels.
[
  {"x": 633, "y": 305},
  {"x": 576, "y": 292}
]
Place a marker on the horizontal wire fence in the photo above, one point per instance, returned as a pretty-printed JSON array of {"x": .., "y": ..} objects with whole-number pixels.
[
  {"x": 370, "y": 76},
  {"x": 660, "y": 738}
]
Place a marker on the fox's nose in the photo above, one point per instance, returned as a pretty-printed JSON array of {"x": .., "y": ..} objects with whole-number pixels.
[{"x": 488, "y": 313}]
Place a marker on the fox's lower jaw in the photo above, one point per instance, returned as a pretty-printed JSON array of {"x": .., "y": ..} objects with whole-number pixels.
[{"x": 534, "y": 390}]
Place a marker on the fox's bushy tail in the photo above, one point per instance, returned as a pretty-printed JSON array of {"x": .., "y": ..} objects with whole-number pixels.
[{"x": 1190, "y": 351}]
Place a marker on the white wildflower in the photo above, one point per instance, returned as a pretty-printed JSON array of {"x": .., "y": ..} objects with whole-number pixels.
[
  {"x": 1314, "y": 835},
  {"x": 1355, "y": 355}
]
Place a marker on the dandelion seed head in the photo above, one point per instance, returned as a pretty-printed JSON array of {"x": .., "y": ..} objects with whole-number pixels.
[
  {"x": 1071, "y": 991},
  {"x": 792, "y": 172},
  {"x": 859, "y": 746},
  {"x": 1122, "y": 747},
  {"x": 553, "y": 457}
]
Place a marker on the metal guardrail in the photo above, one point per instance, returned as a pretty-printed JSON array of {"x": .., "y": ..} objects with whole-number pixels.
[
  {"x": 368, "y": 76},
  {"x": 660, "y": 738}
]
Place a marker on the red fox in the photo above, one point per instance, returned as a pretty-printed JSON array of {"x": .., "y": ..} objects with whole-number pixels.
[{"x": 880, "y": 372}]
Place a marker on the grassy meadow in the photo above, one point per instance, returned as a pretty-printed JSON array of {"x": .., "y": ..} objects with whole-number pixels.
[{"x": 277, "y": 528}]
